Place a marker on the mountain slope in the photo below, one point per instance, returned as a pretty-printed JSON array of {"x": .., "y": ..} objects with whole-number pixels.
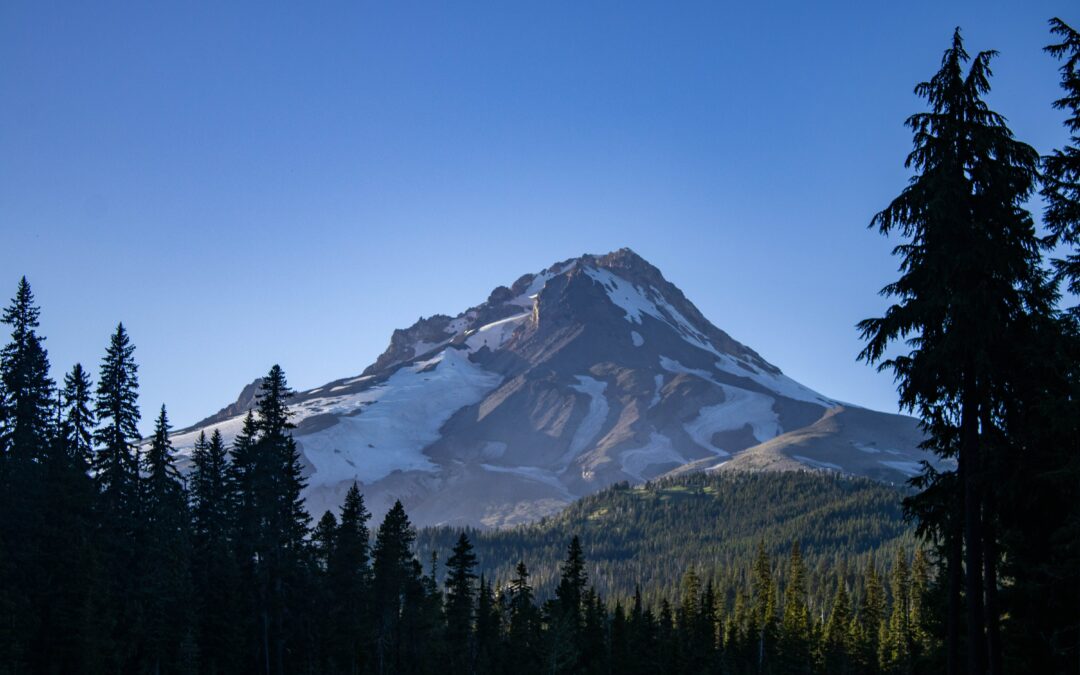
[
  {"x": 652, "y": 533},
  {"x": 593, "y": 371}
]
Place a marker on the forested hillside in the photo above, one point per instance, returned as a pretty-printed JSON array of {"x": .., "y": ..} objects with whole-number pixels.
[{"x": 650, "y": 535}]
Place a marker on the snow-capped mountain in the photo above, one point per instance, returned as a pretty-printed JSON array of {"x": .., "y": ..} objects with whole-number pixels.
[{"x": 592, "y": 371}]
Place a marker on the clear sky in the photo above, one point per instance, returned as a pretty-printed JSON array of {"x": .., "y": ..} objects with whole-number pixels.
[{"x": 249, "y": 184}]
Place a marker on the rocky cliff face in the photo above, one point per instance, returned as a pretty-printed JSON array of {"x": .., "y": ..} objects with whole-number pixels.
[{"x": 592, "y": 371}]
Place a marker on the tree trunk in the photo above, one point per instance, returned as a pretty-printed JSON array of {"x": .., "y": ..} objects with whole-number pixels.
[
  {"x": 954, "y": 570},
  {"x": 970, "y": 466},
  {"x": 993, "y": 628}
]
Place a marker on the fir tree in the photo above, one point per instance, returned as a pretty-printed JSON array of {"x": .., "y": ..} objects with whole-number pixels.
[
  {"x": 970, "y": 271},
  {"x": 460, "y": 598},
  {"x": 1061, "y": 175},
  {"x": 349, "y": 577},
  {"x": 116, "y": 473},
  {"x": 26, "y": 408},
  {"x": 836, "y": 634},
  {"x": 871, "y": 617},
  {"x": 165, "y": 581},
  {"x": 795, "y": 624},
  {"x": 396, "y": 578},
  {"x": 116, "y": 462},
  {"x": 26, "y": 429},
  {"x": 900, "y": 638},
  {"x": 78, "y": 417},
  {"x": 524, "y": 623},
  {"x": 763, "y": 620},
  {"x": 215, "y": 574}
]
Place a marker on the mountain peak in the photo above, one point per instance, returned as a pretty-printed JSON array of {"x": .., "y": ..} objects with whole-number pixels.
[{"x": 592, "y": 371}]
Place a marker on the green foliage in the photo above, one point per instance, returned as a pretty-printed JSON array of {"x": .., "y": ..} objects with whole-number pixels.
[{"x": 651, "y": 534}]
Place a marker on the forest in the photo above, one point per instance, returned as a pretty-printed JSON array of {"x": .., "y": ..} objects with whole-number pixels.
[{"x": 112, "y": 561}]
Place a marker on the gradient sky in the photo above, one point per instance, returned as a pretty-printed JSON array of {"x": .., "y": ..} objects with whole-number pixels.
[{"x": 249, "y": 184}]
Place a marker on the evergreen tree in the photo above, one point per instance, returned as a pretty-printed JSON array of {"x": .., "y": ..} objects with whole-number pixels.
[
  {"x": 970, "y": 272},
  {"x": 26, "y": 428},
  {"x": 78, "y": 417},
  {"x": 763, "y": 620},
  {"x": 165, "y": 581},
  {"x": 349, "y": 576},
  {"x": 795, "y": 624},
  {"x": 396, "y": 578},
  {"x": 215, "y": 573},
  {"x": 488, "y": 649},
  {"x": 871, "y": 618},
  {"x": 116, "y": 473},
  {"x": 898, "y": 651},
  {"x": 26, "y": 408},
  {"x": 460, "y": 599},
  {"x": 564, "y": 615},
  {"x": 116, "y": 464},
  {"x": 280, "y": 522},
  {"x": 524, "y": 623},
  {"x": 836, "y": 635},
  {"x": 1061, "y": 175}
]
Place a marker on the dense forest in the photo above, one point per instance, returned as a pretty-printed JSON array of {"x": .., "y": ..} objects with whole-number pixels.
[
  {"x": 124, "y": 565},
  {"x": 111, "y": 561},
  {"x": 649, "y": 535}
]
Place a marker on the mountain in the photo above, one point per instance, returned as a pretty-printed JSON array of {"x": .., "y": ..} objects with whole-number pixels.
[{"x": 593, "y": 371}]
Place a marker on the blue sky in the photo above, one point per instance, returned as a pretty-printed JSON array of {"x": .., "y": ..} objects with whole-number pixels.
[{"x": 249, "y": 184}]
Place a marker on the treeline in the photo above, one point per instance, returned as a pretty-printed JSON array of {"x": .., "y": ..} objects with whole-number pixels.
[{"x": 112, "y": 562}]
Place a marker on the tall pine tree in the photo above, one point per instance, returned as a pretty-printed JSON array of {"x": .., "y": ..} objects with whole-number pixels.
[{"x": 969, "y": 273}]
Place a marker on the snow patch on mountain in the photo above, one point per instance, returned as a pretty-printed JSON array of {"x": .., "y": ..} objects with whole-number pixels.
[
  {"x": 910, "y": 468},
  {"x": 636, "y": 302},
  {"x": 594, "y": 418},
  {"x": 636, "y": 338},
  {"x": 781, "y": 384},
  {"x": 399, "y": 419},
  {"x": 496, "y": 333},
  {"x": 739, "y": 408},
  {"x": 818, "y": 464},
  {"x": 657, "y": 451},
  {"x": 533, "y": 473}
]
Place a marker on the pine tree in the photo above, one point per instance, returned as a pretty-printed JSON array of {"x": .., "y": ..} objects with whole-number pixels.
[
  {"x": 764, "y": 610},
  {"x": 78, "y": 416},
  {"x": 564, "y": 613},
  {"x": 1061, "y": 175},
  {"x": 116, "y": 473},
  {"x": 273, "y": 474},
  {"x": 165, "y": 581},
  {"x": 396, "y": 576},
  {"x": 323, "y": 540},
  {"x": 795, "y": 624},
  {"x": 920, "y": 587},
  {"x": 26, "y": 430},
  {"x": 26, "y": 409},
  {"x": 524, "y": 623},
  {"x": 900, "y": 638},
  {"x": 871, "y": 617},
  {"x": 215, "y": 573},
  {"x": 460, "y": 598},
  {"x": 836, "y": 636},
  {"x": 970, "y": 272},
  {"x": 349, "y": 576},
  {"x": 488, "y": 651},
  {"x": 116, "y": 463}
]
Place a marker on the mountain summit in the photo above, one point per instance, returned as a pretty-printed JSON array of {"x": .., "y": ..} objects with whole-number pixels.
[{"x": 593, "y": 371}]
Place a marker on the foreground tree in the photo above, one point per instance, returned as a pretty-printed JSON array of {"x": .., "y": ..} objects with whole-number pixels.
[
  {"x": 165, "y": 573},
  {"x": 970, "y": 274}
]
